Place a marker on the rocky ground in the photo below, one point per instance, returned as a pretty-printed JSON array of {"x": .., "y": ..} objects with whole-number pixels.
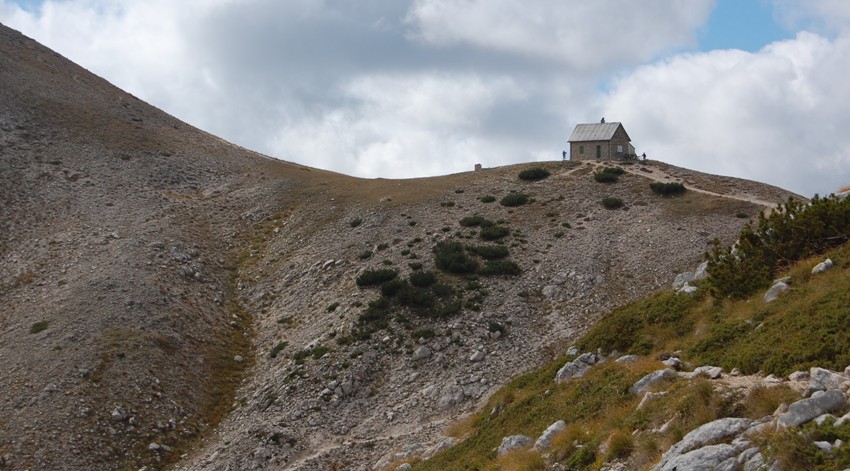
[{"x": 156, "y": 279}]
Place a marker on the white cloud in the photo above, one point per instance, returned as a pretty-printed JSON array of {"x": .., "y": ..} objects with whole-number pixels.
[
  {"x": 422, "y": 87},
  {"x": 772, "y": 116},
  {"x": 597, "y": 34}
]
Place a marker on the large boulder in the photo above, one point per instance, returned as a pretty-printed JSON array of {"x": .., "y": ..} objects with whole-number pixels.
[
  {"x": 822, "y": 267},
  {"x": 805, "y": 410},
  {"x": 643, "y": 384},
  {"x": 513, "y": 442},
  {"x": 821, "y": 379},
  {"x": 545, "y": 440},
  {"x": 682, "y": 279},
  {"x": 576, "y": 368},
  {"x": 773, "y": 293},
  {"x": 709, "y": 458},
  {"x": 698, "y": 439}
]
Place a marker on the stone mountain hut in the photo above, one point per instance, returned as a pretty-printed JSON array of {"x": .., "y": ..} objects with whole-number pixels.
[{"x": 602, "y": 141}]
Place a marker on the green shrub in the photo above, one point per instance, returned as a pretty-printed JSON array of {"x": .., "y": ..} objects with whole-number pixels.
[
  {"x": 332, "y": 307},
  {"x": 605, "y": 177},
  {"x": 423, "y": 279},
  {"x": 667, "y": 189},
  {"x": 792, "y": 232},
  {"x": 376, "y": 277},
  {"x": 490, "y": 252},
  {"x": 392, "y": 287},
  {"x": 277, "y": 348},
  {"x": 451, "y": 257},
  {"x": 414, "y": 297},
  {"x": 501, "y": 268},
  {"x": 447, "y": 204},
  {"x": 612, "y": 203},
  {"x": 38, "y": 327},
  {"x": 493, "y": 232},
  {"x": 355, "y": 222},
  {"x": 364, "y": 254},
  {"x": 613, "y": 171},
  {"x": 415, "y": 265},
  {"x": 534, "y": 173},
  {"x": 514, "y": 199},
  {"x": 475, "y": 221},
  {"x": 487, "y": 199}
]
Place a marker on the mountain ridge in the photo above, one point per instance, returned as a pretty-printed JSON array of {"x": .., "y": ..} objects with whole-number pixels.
[{"x": 161, "y": 262}]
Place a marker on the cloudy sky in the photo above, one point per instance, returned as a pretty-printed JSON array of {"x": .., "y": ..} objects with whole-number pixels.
[{"x": 758, "y": 89}]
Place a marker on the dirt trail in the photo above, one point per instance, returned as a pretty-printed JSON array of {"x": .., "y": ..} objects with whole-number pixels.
[{"x": 659, "y": 175}]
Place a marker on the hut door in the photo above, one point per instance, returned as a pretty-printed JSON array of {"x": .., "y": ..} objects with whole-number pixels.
[{"x": 598, "y": 152}]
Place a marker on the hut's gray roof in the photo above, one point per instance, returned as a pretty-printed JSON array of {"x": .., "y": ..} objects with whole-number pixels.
[{"x": 595, "y": 132}]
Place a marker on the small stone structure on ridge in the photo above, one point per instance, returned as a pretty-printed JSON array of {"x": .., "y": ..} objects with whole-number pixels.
[{"x": 601, "y": 141}]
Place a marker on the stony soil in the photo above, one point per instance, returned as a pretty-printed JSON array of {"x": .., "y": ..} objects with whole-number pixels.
[{"x": 166, "y": 265}]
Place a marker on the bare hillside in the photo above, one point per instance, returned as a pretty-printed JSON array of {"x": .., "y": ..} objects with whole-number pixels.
[{"x": 155, "y": 280}]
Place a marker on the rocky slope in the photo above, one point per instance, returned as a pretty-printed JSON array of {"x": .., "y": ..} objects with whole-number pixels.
[{"x": 148, "y": 269}]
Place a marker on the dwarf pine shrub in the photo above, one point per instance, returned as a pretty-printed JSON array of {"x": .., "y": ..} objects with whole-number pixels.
[
  {"x": 534, "y": 173},
  {"x": 667, "y": 189},
  {"x": 514, "y": 199},
  {"x": 612, "y": 202},
  {"x": 376, "y": 277},
  {"x": 792, "y": 232}
]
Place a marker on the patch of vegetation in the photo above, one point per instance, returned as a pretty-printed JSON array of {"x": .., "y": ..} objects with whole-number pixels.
[
  {"x": 489, "y": 252},
  {"x": 364, "y": 255},
  {"x": 376, "y": 277},
  {"x": 514, "y": 199},
  {"x": 500, "y": 268},
  {"x": 487, "y": 199},
  {"x": 451, "y": 257},
  {"x": 38, "y": 327},
  {"x": 493, "y": 232},
  {"x": 332, "y": 307},
  {"x": 277, "y": 349},
  {"x": 667, "y": 189},
  {"x": 612, "y": 203},
  {"x": 316, "y": 352},
  {"x": 423, "y": 279},
  {"x": 792, "y": 232},
  {"x": 608, "y": 175},
  {"x": 476, "y": 221},
  {"x": 415, "y": 265},
  {"x": 447, "y": 204},
  {"x": 534, "y": 173},
  {"x": 355, "y": 222}
]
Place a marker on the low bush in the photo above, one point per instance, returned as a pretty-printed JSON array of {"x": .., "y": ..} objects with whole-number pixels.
[
  {"x": 277, "y": 349},
  {"x": 604, "y": 177},
  {"x": 392, "y": 287},
  {"x": 476, "y": 221},
  {"x": 493, "y": 232},
  {"x": 423, "y": 279},
  {"x": 376, "y": 277},
  {"x": 490, "y": 252},
  {"x": 451, "y": 257},
  {"x": 38, "y": 327},
  {"x": 500, "y": 268},
  {"x": 612, "y": 203},
  {"x": 514, "y": 199},
  {"x": 794, "y": 231},
  {"x": 487, "y": 199},
  {"x": 667, "y": 189},
  {"x": 534, "y": 173}
]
